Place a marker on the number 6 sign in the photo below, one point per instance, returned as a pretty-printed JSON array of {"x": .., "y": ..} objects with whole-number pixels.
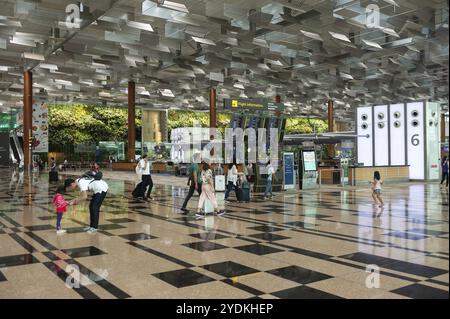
[
  {"x": 415, "y": 140},
  {"x": 415, "y": 134}
]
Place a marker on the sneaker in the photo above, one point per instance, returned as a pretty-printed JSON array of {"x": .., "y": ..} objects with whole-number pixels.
[
  {"x": 92, "y": 231},
  {"x": 199, "y": 215},
  {"x": 61, "y": 231},
  {"x": 184, "y": 211},
  {"x": 221, "y": 213},
  {"x": 87, "y": 228}
]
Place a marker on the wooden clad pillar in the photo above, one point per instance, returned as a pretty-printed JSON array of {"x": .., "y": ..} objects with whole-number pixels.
[
  {"x": 27, "y": 116},
  {"x": 330, "y": 126},
  {"x": 212, "y": 108},
  {"x": 212, "y": 114},
  {"x": 278, "y": 100},
  {"x": 330, "y": 116},
  {"x": 131, "y": 121}
]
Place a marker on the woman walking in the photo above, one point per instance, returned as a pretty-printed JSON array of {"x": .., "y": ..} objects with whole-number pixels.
[{"x": 208, "y": 192}]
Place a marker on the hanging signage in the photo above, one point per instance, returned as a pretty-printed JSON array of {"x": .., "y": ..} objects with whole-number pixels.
[
  {"x": 272, "y": 106},
  {"x": 237, "y": 104},
  {"x": 40, "y": 127},
  {"x": 4, "y": 148},
  {"x": 288, "y": 168}
]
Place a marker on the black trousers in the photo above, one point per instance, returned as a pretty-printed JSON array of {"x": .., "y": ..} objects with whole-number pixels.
[
  {"x": 230, "y": 187},
  {"x": 147, "y": 182},
  {"x": 191, "y": 193},
  {"x": 444, "y": 178},
  {"x": 94, "y": 208}
]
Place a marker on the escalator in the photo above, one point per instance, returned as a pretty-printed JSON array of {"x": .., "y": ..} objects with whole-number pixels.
[
  {"x": 15, "y": 152},
  {"x": 20, "y": 144},
  {"x": 16, "y": 144}
]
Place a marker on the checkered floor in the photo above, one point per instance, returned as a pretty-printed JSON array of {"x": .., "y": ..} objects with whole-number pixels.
[{"x": 310, "y": 244}]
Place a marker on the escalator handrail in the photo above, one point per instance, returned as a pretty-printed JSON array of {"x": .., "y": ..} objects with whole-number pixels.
[{"x": 15, "y": 152}]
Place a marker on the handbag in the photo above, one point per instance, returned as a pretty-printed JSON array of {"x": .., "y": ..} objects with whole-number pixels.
[
  {"x": 239, "y": 182},
  {"x": 139, "y": 169}
]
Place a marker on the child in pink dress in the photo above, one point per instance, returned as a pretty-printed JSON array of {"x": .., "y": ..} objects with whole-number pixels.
[{"x": 61, "y": 207}]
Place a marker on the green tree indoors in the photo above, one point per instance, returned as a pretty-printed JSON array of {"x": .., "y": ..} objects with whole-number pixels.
[
  {"x": 70, "y": 125},
  {"x": 78, "y": 123}
]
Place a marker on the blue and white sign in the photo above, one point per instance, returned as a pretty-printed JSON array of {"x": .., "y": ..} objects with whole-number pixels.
[{"x": 288, "y": 168}]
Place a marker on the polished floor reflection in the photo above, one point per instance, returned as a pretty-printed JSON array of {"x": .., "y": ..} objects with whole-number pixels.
[{"x": 311, "y": 244}]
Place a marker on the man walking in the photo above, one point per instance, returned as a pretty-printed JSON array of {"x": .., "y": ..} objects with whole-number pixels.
[
  {"x": 145, "y": 170},
  {"x": 194, "y": 182},
  {"x": 444, "y": 171},
  {"x": 270, "y": 175}
]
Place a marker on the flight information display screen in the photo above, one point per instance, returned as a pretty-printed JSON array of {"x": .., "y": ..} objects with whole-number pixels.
[
  {"x": 237, "y": 121},
  {"x": 309, "y": 161},
  {"x": 253, "y": 122}
]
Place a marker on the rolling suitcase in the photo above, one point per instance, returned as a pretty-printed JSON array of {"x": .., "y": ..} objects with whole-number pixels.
[
  {"x": 53, "y": 176},
  {"x": 138, "y": 191},
  {"x": 243, "y": 193}
]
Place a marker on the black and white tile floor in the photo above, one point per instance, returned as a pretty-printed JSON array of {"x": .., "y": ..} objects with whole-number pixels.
[{"x": 313, "y": 244}]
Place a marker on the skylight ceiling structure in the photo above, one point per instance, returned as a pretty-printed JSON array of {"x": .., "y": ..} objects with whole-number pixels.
[{"x": 306, "y": 51}]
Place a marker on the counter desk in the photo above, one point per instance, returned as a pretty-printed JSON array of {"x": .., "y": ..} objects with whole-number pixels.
[{"x": 359, "y": 175}]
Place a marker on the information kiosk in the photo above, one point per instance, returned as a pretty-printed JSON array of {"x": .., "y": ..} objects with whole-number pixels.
[{"x": 307, "y": 169}]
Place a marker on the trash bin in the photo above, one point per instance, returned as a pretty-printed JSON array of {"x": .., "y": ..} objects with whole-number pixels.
[
  {"x": 336, "y": 177},
  {"x": 219, "y": 183}
]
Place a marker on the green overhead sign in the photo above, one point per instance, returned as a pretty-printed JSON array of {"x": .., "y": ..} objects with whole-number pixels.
[{"x": 272, "y": 106}]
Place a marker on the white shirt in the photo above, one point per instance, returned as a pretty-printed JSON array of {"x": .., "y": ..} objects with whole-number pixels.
[
  {"x": 83, "y": 183},
  {"x": 98, "y": 186},
  {"x": 145, "y": 168},
  {"x": 232, "y": 175},
  {"x": 377, "y": 185}
]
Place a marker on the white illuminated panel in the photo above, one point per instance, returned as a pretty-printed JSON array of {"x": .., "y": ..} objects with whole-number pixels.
[
  {"x": 433, "y": 152},
  {"x": 381, "y": 135},
  {"x": 397, "y": 134},
  {"x": 415, "y": 140},
  {"x": 364, "y": 127}
]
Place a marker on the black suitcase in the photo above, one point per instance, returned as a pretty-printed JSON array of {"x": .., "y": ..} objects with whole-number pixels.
[
  {"x": 139, "y": 191},
  {"x": 243, "y": 193},
  {"x": 53, "y": 176}
]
